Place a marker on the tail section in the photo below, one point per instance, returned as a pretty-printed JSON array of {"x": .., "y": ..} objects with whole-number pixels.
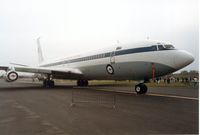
[{"x": 40, "y": 55}]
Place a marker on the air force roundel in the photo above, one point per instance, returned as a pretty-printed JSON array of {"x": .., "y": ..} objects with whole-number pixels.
[{"x": 110, "y": 69}]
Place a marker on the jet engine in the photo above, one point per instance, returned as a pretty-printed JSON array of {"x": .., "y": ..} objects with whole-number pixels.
[{"x": 11, "y": 76}]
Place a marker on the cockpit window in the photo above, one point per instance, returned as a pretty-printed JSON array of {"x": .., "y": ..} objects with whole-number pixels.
[
  {"x": 166, "y": 47},
  {"x": 169, "y": 46},
  {"x": 118, "y": 48},
  {"x": 154, "y": 48},
  {"x": 160, "y": 47}
]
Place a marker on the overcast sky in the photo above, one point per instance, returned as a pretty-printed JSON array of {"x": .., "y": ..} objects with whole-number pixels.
[{"x": 69, "y": 27}]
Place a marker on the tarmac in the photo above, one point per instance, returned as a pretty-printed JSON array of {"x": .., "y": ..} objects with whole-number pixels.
[{"x": 28, "y": 109}]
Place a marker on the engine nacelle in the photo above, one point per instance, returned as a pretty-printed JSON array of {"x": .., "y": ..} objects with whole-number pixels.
[{"x": 11, "y": 76}]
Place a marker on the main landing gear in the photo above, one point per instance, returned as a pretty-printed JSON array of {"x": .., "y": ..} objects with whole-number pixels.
[
  {"x": 82, "y": 82},
  {"x": 141, "y": 88},
  {"x": 48, "y": 82}
]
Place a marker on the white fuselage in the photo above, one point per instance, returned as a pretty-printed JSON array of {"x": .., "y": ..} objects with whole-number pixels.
[{"x": 136, "y": 61}]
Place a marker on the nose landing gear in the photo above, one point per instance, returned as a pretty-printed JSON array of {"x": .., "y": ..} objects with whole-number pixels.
[{"x": 141, "y": 88}]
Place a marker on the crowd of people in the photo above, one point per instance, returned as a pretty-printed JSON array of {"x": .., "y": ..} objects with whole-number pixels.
[{"x": 171, "y": 79}]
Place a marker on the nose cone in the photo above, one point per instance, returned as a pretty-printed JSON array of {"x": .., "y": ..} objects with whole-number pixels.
[{"x": 182, "y": 59}]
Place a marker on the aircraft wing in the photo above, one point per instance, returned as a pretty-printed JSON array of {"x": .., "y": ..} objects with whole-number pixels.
[{"x": 57, "y": 73}]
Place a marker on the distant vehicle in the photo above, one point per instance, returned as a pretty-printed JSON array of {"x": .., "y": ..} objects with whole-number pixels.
[{"x": 137, "y": 61}]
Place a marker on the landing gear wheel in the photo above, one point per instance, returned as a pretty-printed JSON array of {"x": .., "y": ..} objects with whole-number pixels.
[
  {"x": 44, "y": 83},
  {"x": 78, "y": 83},
  {"x": 138, "y": 89},
  {"x": 144, "y": 89},
  {"x": 82, "y": 83},
  {"x": 51, "y": 84},
  {"x": 85, "y": 82},
  {"x": 48, "y": 84},
  {"x": 141, "y": 88}
]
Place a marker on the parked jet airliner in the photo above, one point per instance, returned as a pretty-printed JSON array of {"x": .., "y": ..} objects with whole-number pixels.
[{"x": 137, "y": 61}]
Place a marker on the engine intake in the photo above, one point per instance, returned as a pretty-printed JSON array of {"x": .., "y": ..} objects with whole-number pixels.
[{"x": 11, "y": 76}]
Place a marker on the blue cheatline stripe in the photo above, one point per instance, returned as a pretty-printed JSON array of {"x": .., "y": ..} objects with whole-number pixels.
[
  {"x": 135, "y": 50},
  {"x": 104, "y": 55}
]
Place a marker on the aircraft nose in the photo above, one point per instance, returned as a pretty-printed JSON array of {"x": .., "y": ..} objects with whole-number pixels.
[{"x": 182, "y": 59}]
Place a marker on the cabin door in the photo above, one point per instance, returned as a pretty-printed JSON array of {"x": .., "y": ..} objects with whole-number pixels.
[{"x": 112, "y": 57}]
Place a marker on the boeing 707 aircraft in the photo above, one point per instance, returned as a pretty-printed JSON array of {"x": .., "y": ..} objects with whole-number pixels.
[{"x": 137, "y": 61}]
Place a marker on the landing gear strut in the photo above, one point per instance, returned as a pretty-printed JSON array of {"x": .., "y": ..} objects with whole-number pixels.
[
  {"x": 141, "y": 88},
  {"x": 82, "y": 82}
]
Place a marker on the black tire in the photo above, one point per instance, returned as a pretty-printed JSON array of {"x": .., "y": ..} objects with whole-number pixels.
[
  {"x": 141, "y": 88},
  {"x": 48, "y": 84},
  {"x": 82, "y": 82},
  {"x": 138, "y": 89},
  {"x": 78, "y": 82},
  {"x": 85, "y": 82},
  {"x": 144, "y": 89},
  {"x": 51, "y": 84},
  {"x": 45, "y": 83}
]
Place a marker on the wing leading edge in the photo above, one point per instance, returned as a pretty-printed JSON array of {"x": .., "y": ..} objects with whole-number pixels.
[{"x": 57, "y": 73}]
